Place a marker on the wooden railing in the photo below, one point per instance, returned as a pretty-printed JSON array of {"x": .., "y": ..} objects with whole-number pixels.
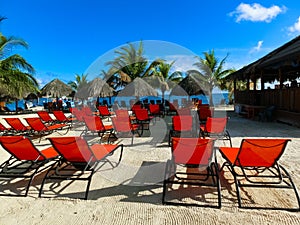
[{"x": 283, "y": 99}]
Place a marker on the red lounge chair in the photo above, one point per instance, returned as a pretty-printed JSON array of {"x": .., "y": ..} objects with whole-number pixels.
[
  {"x": 104, "y": 111},
  {"x": 25, "y": 160},
  {"x": 216, "y": 127},
  {"x": 184, "y": 111},
  {"x": 196, "y": 156},
  {"x": 5, "y": 130},
  {"x": 78, "y": 114},
  {"x": 94, "y": 124},
  {"x": 61, "y": 117},
  {"x": 155, "y": 110},
  {"x": 143, "y": 119},
  {"x": 181, "y": 125},
  {"x": 173, "y": 107},
  {"x": 204, "y": 111},
  {"x": 45, "y": 116},
  {"x": 135, "y": 107},
  {"x": 122, "y": 124},
  {"x": 87, "y": 111},
  {"x": 255, "y": 165},
  {"x": 78, "y": 156},
  {"x": 17, "y": 125},
  {"x": 124, "y": 113},
  {"x": 41, "y": 129}
]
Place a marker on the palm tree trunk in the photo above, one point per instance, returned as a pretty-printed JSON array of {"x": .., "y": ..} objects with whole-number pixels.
[{"x": 211, "y": 102}]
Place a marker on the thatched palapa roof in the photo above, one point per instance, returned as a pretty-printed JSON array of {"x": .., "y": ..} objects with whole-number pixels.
[
  {"x": 95, "y": 88},
  {"x": 190, "y": 85},
  {"x": 138, "y": 87},
  {"x": 283, "y": 61},
  {"x": 56, "y": 88}
]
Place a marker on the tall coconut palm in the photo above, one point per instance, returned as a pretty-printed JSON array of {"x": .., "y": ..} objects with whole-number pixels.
[
  {"x": 16, "y": 74},
  {"x": 80, "y": 81},
  {"x": 210, "y": 72},
  {"x": 130, "y": 64},
  {"x": 161, "y": 77}
]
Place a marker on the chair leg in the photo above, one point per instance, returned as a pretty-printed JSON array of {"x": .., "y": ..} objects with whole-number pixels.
[
  {"x": 45, "y": 178},
  {"x": 228, "y": 137},
  {"x": 88, "y": 185},
  {"x": 215, "y": 172},
  {"x": 166, "y": 178},
  {"x": 293, "y": 186}
]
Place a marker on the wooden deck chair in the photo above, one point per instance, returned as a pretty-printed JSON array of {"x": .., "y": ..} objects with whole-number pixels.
[
  {"x": 61, "y": 117},
  {"x": 94, "y": 124},
  {"x": 41, "y": 129},
  {"x": 17, "y": 126},
  {"x": 45, "y": 117},
  {"x": 216, "y": 127},
  {"x": 123, "y": 125},
  {"x": 25, "y": 160},
  {"x": 181, "y": 126},
  {"x": 255, "y": 165},
  {"x": 193, "y": 163},
  {"x": 78, "y": 159}
]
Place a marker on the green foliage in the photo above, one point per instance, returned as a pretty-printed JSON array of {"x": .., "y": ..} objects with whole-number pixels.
[
  {"x": 16, "y": 74},
  {"x": 80, "y": 81},
  {"x": 211, "y": 72},
  {"x": 129, "y": 61}
]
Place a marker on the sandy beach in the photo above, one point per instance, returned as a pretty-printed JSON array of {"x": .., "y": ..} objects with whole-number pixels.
[{"x": 131, "y": 193}]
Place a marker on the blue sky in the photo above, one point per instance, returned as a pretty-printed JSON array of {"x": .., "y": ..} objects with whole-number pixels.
[{"x": 67, "y": 36}]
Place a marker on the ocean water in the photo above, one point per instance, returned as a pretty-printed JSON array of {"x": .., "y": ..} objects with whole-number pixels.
[{"x": 218, "y": 98}]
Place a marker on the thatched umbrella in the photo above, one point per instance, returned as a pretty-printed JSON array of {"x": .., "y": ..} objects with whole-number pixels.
[
  {"x": 56, "y": 88},
  {"x": 99, "y": 87},
  {"x": 95, "y": 88},
  {"x": 190, "y": 85},
  {"x": 138, "y": 87}
]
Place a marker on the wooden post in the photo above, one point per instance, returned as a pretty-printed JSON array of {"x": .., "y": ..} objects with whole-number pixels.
[{"x": 280, "y": 79}]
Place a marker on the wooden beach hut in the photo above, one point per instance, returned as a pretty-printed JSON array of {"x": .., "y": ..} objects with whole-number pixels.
[{"x": 281, "y": 67}]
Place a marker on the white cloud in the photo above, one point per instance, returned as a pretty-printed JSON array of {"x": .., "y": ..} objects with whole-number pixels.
[
  {"x": 256, "y": 12},
  {"x": 296, "y": 27},
  {"x": 257, "y": 47},
  {"x": 182, "y": 63}
]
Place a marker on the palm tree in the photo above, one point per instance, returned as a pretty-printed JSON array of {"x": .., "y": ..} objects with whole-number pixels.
[
  {"x": 161, "y": 77},
  {"x": 130, "y": 64},
  {"x": 16, "y": 74},
  {"x": 229, "y": 85},
  {"x": 80, "y": 81},
  {"x": 211, "y": 72}
]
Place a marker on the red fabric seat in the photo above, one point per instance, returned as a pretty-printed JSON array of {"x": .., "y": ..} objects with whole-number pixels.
[
  {"x": 192, "y": 153},
  {"x": 25, "y": 161},
  {"x": 216, "y": 127},
  {"x": 78, "y": 159},
  {"x": 255, "y": 164}
]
